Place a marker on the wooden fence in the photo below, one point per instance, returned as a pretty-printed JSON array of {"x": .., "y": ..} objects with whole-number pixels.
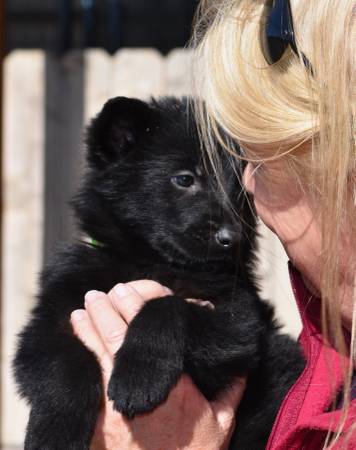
[{"x": 46, "y": 102}]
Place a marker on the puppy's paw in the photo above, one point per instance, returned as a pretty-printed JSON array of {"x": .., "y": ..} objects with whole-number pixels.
[
  {"x": 151, "y": 358},
  {"x": 141, "y": 380}
]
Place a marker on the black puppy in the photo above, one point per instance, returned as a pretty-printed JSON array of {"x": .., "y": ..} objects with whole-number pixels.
[{"x": 156, "y": 214}]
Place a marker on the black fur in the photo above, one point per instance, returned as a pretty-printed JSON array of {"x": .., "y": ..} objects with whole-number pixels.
[{"x": 149, "y": 226}]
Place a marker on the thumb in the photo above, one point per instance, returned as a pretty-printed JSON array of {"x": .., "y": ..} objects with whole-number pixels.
[{"x": 225, "y": 405}]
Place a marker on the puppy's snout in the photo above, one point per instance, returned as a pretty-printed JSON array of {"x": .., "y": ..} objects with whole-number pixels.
[{"x": 226, "y": 237}]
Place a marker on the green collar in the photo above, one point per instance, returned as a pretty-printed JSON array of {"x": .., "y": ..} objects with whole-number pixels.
[{"x": 95, "y": 243}]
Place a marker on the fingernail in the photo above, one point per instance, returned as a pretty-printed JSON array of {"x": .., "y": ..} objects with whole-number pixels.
[
  {"x": 167, "y": 290},
  {"x": 208, "y": 305},
  {"x": 202, "y": 303},
  {"x": 91, "y": 296},
  {"x": 121, "y": 290},
  {"x": 77, "y": 315}
]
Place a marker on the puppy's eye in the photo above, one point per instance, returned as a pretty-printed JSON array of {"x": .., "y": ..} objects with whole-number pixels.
[{"x": 184, "y": 180}]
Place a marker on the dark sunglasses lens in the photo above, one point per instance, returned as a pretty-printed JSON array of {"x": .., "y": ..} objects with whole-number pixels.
[
  {"x": 277, "y": 31},
  {"x": 274, "y": 49}
]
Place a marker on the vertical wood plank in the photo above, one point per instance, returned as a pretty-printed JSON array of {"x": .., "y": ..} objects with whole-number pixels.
[
  {"x": 2, "y": 56},
  {"x": 178, "y": 72},
  {"x": 98, "y": 81},
  {"x": 23, "y": 216},
  {"x": 63, "y": 155},
  {"x": 138, "y": 73}
]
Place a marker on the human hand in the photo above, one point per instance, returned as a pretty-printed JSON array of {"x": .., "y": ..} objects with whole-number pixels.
[{"x": 186, "y": 420}]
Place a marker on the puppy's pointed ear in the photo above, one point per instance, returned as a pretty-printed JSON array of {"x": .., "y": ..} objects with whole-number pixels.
[{"x": 116, "y": 129}]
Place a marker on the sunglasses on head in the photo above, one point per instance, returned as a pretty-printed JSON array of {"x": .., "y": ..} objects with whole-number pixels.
[{"x": 278, "y": 32}]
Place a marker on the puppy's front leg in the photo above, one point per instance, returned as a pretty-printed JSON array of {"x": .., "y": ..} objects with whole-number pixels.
[
  {"x": 61, "y": 379},
  {"x": 222, "y": 344},
  {"x": 170, "y": 336},
  {"x": 151, "y": 358}
]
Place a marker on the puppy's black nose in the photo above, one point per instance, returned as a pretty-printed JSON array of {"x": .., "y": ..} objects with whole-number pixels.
[{"x": 226, "y": 237}]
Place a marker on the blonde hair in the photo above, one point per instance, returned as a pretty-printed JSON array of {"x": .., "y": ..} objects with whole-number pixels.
[{"x": 285, "y": 110}]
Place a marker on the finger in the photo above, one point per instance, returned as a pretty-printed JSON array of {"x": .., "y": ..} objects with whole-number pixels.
[
  {"x": 86, "y": 332},
  {"x": 149, "y": 289},
  {"x": 225, "y": 405},
  {"x": 128, "y": 299},
  {"x": 203, "y": 303},
  {"x": 108, "y": 323}
]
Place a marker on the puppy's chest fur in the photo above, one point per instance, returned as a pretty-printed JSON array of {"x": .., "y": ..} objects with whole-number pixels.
[{"x": 83, "y": 267}]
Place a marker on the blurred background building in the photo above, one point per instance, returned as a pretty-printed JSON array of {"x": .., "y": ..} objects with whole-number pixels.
[
  {"x": 60, "y": 61},
  {"x": 62, "y": 25}
]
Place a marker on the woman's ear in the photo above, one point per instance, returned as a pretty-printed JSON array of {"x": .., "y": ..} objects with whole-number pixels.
[{"x": 116, "y": 129}]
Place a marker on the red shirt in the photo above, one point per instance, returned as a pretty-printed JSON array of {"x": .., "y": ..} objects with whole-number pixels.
[{"x": 303, "y": 419}]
